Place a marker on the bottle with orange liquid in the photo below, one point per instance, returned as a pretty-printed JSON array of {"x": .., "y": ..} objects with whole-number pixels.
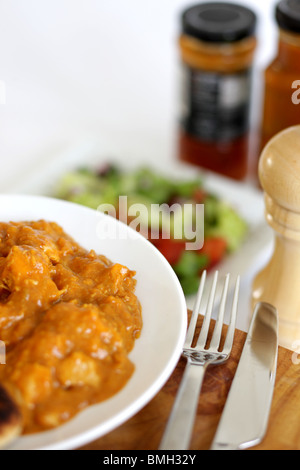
[
  {"x": 217, "y": 46},
  {"x": 282, "y": 77}
]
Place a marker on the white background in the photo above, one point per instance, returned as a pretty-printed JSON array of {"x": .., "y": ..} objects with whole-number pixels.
[{"x": 106, "y": 69}]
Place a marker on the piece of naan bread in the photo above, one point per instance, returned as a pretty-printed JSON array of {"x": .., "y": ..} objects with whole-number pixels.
[{"x": 10, "y": 419}]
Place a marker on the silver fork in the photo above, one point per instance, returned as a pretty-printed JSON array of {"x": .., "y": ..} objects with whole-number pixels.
[{"x": 179, "y": 429}]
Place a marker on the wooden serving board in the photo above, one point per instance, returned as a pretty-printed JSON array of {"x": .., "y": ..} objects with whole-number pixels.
[{"x": 144, "y": 431}]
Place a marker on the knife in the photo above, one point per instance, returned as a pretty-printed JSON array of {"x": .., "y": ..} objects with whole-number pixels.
[{"x": 245, "y": 417}]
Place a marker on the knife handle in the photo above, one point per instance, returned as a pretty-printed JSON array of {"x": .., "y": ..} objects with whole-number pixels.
[{"x": 179, "y": 429}]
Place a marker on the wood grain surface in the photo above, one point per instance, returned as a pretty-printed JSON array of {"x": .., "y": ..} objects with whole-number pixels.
[{"x": 144, "y": 431}]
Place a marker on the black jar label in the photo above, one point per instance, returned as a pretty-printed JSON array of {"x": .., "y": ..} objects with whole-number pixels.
[{"x": 215, "y": 106}]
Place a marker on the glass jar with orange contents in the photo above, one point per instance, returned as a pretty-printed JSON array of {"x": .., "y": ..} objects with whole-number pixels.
[
  {"x": 282, "y": 77},
  {"x": 217, "y": 47}
]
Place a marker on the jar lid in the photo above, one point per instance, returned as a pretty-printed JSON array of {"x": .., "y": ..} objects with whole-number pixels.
[
  {"x": 288, "y": 15},
  {"x": 219, "y": 22}
]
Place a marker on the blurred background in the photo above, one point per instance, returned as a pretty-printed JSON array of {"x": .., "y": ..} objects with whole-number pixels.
[{"x": 77, "y": 69}]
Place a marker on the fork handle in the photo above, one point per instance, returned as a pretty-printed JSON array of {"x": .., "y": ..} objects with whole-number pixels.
[{"x": 179, "y": 429}]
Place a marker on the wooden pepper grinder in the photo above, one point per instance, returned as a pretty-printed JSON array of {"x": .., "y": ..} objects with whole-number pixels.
[{"x": 279, "y": 282}]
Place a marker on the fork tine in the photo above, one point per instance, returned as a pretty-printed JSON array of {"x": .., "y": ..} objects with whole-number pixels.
[
  {"x": 231, "y": 329},
  {"x": 215, "y": 342},
  {"x": 207, "y": 318},
  {"x": 195, "y": 314}
]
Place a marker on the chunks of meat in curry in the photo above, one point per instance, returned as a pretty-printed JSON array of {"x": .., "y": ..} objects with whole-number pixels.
[{"x": 69, "y": 319}]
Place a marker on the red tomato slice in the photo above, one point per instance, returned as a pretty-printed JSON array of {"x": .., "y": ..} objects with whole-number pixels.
[
  {"x": 199, "y": 196},
  {"x": 214, "y": 249},
  {"x": 170, "y": 249}
]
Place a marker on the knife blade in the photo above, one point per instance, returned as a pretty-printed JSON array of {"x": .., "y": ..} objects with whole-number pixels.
[{"x": 245, "y": 416}]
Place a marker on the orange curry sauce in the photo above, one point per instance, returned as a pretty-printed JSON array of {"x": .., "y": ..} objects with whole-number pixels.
[{"x": 68, "y": 318}]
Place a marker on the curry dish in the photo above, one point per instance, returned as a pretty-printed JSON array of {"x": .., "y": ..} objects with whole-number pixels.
[{"x": 68, "y": 318}]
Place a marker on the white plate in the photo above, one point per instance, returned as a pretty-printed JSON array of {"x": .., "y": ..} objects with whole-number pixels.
[{"x": 156, "y": 352}]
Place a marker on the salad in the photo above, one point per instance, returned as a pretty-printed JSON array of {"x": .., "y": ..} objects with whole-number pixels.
[{"x": 224, "y": 228}]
